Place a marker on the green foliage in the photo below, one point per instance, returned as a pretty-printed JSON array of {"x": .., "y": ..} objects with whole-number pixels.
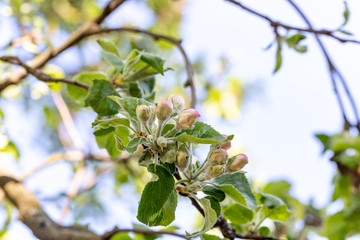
[
  {"x": 236, "y": 186},
  {"x": 159, "y": 198},
  {"x": 210, "y": 218},
  {"x": 238, "y": 214},
  {"x": 201, "y": 133},
  {"x": 97, "y": 98},
  {"x": 79, "y": 93},
  {"x": 273, "y": 207}
]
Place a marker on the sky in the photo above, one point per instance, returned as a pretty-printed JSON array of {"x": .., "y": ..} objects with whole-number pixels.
[{"x": 277, "y": 124}]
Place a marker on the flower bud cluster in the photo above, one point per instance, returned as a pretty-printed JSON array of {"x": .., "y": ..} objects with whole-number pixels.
[
  {"x": 219, "y": 161},
  {"x": 158, "y": 140}
]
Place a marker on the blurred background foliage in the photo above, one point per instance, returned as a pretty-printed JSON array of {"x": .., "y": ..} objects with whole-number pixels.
[{"x": 35, "y": 25}]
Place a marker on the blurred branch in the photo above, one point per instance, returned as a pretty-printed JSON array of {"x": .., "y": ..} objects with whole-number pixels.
[
  {"x": 116, "y": 230},
  {"x": 156, "y": 36},
  {"x": 67, "y": 120},
  {"x": 276, "y": 24},
  {"x": 333, "y": 71},
  {"x": 50, "y": 53},
  {"x": 33, "y": 216},
  {"x": 39, "y": 74}
]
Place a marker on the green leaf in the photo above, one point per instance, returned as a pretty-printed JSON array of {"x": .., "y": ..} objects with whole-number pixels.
[
  {"x": 159, "y": 198},
  {"x": 111, "y": 122},
  {"x": 238, "y": 214},
  {"x": 209, "y": 237},
  {"x": 79, "y": 93},
  {"x": 264, "y": 231},
  {"x": 11, "y": 149},
  {"x": 106, "y": 138},
  {"x": 108, "y": 46},
  {"x": 135, "y": 90},
  {"x": 209, "y": 220},
  {"x": 324, "y": 139},
  {"x": 113, "y": 59},
  {"x": 154, "y": 61},
  {"x": 146, "y": 159},
  {"x": 201, "y": 133},
  {"x": 236, "y": 186},
  {"x": 121, "y": 236},
  {"x": 214, "y": 192},
  {"x": 133, "y": 144},
  {"x": 342, "y": 141},
  {"x": 129, "y": 104},
  {"x": 273, "y": 207},
  {"x": 346, "y": 14},
  {"x": 98, "y": 99},
  {"x": 278, "y": 54}
]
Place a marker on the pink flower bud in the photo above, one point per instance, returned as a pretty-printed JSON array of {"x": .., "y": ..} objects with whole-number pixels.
[
  {"x": 218, "y": 157},
  {"x": 187, "y": 118},
  {"x": 226, "y": 145},
  {"x": 214, "y": 171},
  {"x": 236, "y": 163},
  {"x": 163, "y": 110},
  {"x": 143, "y": 113},
  {"x": 182, "y": 160},
  {"x": 177, "y": 101}
]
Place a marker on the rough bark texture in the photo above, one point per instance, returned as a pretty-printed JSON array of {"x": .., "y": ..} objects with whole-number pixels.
[{"x": 33, "y": 216}]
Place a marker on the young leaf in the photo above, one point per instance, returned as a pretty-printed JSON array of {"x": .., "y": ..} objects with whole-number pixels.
[
  {"x": 159, "y": 198},
  {"x": 236, "y": 186},
  {"x": 211, "y": 216},
  {"x": 346, "y": 14},
  {"x": 214, "y": 192},
  {"x": 135, "y": 90},
  {"x": 111, "y": 122},
  {"x": 113, "y": 59},
  {"x": 238, "y": 214},
  {"x": 132, "y": 146},
  {"x": 98, "y": 99},
  {"x": 201, "y": 133},
  {"x": 108, "y": 46},
  {"x": 79, "y": 93},
  {"x": 278, "y": 54},
  {"x": 274, "y": 208},
  {"x": 209, "y": 237},
  {"x": 106, "y": 138},
  {"x": 129, "y": 104},
  {"x": 154, "y": 61}
]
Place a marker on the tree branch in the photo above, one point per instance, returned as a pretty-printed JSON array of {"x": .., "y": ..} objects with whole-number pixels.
[
  {"x": 276, "y": 24},
  {"x": 39, "y": 74},
  {"x": 50, "y": 53},
  {"x": 111, "y": 233},
  {"x": 33, "y": 216},
  {"x": 333, "y": 71}
]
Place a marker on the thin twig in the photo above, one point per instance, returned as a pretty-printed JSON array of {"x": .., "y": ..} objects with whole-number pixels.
[
  {"x": 116, "y": 230},
  {"x": 157, "y": 36},
  {"x": 275, "y": 24},
  {"x": 333, "y": 71},
  {"x": 39, "y": 74},
  {"x": 51, "y": 52}
]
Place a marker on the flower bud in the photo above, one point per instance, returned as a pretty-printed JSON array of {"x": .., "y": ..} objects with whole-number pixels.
[
  {"x": 187, "y": 118},
  {"x": 214, "y": 171},
  {"x": 236, "y": 163},
  {"x": 162, "y": 142},
  {"x": 226, "y": 145},
  {"x": 218, "y": 157},
  {"x": 182, "y": 160},
  {"x": 143, "y": 113},
  {"x": 152, "y": 117},
  {"x": 163, "y": 110},
  {"x": 177, "y": 101}
]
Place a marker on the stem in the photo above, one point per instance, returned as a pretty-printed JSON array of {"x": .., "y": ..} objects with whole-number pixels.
[{"x": 170, "y": 132}]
